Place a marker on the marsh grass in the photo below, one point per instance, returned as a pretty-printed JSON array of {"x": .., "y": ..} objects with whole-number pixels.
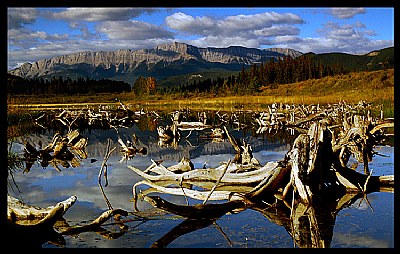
[{"x": 374, "y": 86}]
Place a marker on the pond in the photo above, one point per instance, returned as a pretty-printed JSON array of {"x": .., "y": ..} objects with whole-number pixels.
[{"x": 367, "y": 222}]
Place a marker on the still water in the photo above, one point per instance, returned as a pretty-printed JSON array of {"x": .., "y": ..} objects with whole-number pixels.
[{"x": 360, "y": 225}]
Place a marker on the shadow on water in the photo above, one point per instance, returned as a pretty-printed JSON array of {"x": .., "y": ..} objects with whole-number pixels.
[{"x": 162, "y": 223}]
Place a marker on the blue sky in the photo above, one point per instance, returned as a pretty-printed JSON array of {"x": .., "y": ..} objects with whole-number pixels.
[{"x": 42, "y": 33}]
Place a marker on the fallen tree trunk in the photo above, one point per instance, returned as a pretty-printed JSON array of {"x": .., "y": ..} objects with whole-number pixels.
[
  {"x": 35, "y": 226},
  {"x": 195, "y": 194},
  {"x": 18, "y": 211},
  {"x": 210, "y": 174},
  {"x": 34, "y": 234},
  {"x": 355, "y": 181},
  {"x": 198, "y": 211}
]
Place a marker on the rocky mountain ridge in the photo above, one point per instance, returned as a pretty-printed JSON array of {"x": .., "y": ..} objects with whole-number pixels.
[{"x": 118, "y": 63}]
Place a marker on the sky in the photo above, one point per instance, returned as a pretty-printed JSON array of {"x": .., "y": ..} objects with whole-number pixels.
[{"x": 43, "y": 33}]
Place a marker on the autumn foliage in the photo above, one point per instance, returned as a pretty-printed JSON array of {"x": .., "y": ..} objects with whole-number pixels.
[{"x": 144, "y": 86}]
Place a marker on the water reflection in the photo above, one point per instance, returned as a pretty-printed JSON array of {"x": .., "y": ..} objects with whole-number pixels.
[{"x": 307, "y": 226}]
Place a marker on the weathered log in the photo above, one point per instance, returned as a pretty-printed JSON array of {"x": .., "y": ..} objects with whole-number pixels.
[
  {"x": 58, "y": 152},
  {"x": 198, "y": 211},
  {"x": 218, "y": 181},
  {"x": 155, "y": 168},
  {"x": 381, "y": 126},
  {"x": 37, "y": 234},
  {"x": 299, "y": 159},
  {"x": 270, "y": 184},
  {"x": 195, "y": 194},
  {"x": 352, "y": 180},
  {"x": 309, "y": 118},
  {"x": 209, "y": 174},
  {"x": 192, "y": 126},
  {"x": 244, "y": 153},
  {"x": 95, "y": 224},
  {"x": 184, "y": 165},
  {"x": 34, "y": 235},
  {"x": 315, "y": 164},
  {"x": 35, "y": 226},
  {"x": 18, "y": 211}
]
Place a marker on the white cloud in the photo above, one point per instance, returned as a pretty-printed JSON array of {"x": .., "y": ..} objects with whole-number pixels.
[
  {"x": 28, "y": 37},
  {"x": 277, "y": 31},
  {"x": 329, "y": 44},
  {"x": 99, "y": 14},
  {"x": 346, "y": 33},
  {"x": 132, "y": 30},
  {"x": 346, "y": 13},
  {"x": 193, "y": 25},
  {"x": 239, "y": 30},
  {"x": 231, "y": 25},
  {"x": 17, "y": 17},
  {"x": 221, "y": 41}
]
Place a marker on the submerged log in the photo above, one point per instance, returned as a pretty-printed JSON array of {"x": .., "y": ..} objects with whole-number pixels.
[
  {"x": 198, "y": 211},
  {"x": 357, "y": 182},
  {"x": 183, "y": 228}
]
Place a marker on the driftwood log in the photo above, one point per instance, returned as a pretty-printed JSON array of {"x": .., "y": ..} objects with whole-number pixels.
[
  {"x": 65, "y": 150},
  {"x": 35, "y": 226},
  {"x": 41, "y": 221}
]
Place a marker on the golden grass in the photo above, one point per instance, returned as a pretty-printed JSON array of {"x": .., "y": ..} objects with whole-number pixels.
[{"x": 376, "y": 87}]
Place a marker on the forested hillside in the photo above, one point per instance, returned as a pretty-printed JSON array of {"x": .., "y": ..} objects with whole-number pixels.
[
  {"x": 58, "y": 85},
  {"x": 375, "y": 60}
]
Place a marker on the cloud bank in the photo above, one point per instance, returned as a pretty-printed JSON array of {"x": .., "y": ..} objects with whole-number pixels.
[{"x": 109, "y": 29}]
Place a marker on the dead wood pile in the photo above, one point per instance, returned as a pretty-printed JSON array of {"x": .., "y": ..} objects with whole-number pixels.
[
  {"x": 314, "y": 171},
  {"x": 314, "y": 168},
  {"x": 65, "y": 150},
  {"x": 316, "y": 164}
]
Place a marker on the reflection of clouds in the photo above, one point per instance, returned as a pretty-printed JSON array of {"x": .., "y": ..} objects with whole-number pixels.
[
  {"x": 40, "y": 185},
  {"x": 356, "y": 241},
  {"x": 266, "y": 156},
  {"x": 212, "y": 160},
  {"x": 383, "y": 165},
  {"x": 361, "y": 203},
  {"x": 47, "y": 187}
]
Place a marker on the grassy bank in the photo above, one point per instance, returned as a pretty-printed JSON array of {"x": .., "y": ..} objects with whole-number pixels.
[{"x": 376, "y": 87}]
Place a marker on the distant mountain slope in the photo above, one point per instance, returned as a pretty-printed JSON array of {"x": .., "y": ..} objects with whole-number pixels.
[
  {"x": 160, "y": 62},
  {"x": 371, "y": 61},
  {"x": 169, "y": 61}
]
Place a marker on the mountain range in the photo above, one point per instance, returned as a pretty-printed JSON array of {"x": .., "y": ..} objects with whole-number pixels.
[
  {"x": 160, "y": 62},
  {"x": 177, "y": 59}
]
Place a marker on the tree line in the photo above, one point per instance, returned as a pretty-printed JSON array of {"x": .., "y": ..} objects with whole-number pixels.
[
  {"x": 65, "y": 86},
  {"x": 248, "y": 81},
  {"x": 260, "y": 75}
]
